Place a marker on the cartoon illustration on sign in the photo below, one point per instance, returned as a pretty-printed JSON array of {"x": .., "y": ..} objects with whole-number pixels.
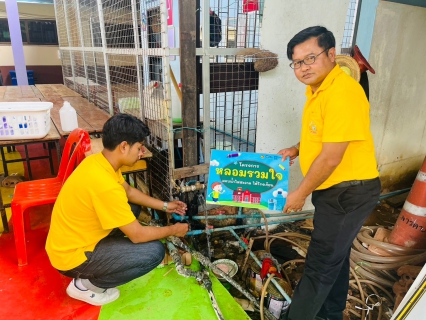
[
  {"x": 245, "y": 179},
  {"x": 217, "y": 191}
]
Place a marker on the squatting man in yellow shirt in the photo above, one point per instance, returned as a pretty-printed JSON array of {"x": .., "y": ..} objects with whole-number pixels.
[
  {"x": 337, "y": 160},
  {"x": 96, "y": 209}
]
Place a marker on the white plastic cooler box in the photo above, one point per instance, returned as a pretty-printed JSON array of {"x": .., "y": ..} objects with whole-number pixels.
[{"x": 24, "y": 120}]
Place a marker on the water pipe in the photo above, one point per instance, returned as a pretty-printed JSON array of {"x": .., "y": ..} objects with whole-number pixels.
[
  {"x": 232, "y": 136},
  {"x": 240, "y": 216},
  {"x": 293, "y": 218},
  {"x": 393, "y": 193},
  {"x": 242, "y": 243}
]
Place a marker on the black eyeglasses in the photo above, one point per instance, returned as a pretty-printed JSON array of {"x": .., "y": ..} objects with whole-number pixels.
[{"x": 307, "y": 61}]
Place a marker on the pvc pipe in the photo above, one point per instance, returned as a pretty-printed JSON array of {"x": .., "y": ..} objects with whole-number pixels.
[
  {"x": 241, "y": 216},
  {"x": 229, "y": 228},
  {"x": 394, "y": 193}
]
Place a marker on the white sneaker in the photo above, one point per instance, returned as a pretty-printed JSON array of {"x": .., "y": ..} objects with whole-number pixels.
[{"x": 93, "y": 298}]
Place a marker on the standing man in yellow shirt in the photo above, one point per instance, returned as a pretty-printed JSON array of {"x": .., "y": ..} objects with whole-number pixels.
[
  {"x": 338, "y": 162},
  {"x": 94, "y": 236}
]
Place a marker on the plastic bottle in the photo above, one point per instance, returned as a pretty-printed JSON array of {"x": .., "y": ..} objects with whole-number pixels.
[
  {"x": 68, "y": 117},
  {"x": 280, "y": 201}
]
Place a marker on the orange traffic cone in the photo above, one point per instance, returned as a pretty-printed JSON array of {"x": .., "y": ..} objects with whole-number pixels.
[{"x": 410, "y": 228}]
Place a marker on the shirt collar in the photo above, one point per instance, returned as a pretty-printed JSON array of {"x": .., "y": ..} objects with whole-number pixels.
[
  {"x": 100, "y": 158},
  {"x": 336, "y": 71}
]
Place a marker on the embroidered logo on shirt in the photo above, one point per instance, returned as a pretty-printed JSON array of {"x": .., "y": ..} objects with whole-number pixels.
[{"x": 312, "y": 127}]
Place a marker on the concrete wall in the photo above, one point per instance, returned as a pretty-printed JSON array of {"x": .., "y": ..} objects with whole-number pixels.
[
  {"x": 34, "y": 55},
  {"x": 397, "y": 92},
  {"x": 281, "y": 95}
]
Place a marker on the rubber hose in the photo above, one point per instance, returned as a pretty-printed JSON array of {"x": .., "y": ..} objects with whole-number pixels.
[
  {"x": 381, "y": 259},
  {"x": 365, "y": 237},
  {"x": 282, "y": 235},
  {"x": 363, "y": 304},
  {"x": 410, "y": 261},
  {"x": 262, "y": 295},
  {"x": 378, "y": 286},
  {"x": 274, "y": 237},
  {"x": 361, "y": 291},
  {"x": 289, "y": 262},
  {"x": 368, "y": 275},
  {"x": 357, "y": 244},
  {"x": 374, "y": 291},
  {"x": 266, "y": 232},
  {"x": 356, "y": 314}
]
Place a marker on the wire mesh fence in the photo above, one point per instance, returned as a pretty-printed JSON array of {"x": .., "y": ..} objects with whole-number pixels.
[
  {"x": 113, "y": 54},
  {"x": 349, "y": 33},
  {"x": 121, "y": 55}
]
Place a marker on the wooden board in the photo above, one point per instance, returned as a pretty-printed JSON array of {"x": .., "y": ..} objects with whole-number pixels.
[
  {"x": 17, "y": 93},
  {"x": 19, "y": 99},
  {"x": 141, "y": 165},
  {"x": 191, "y": 171},
  {"x": 89, "y": 112},
  {"x": 37, "y": 92},
  {"x": 56, "y": 90},
  {"x": 54, "y": 115},
  {"x": 97, "y": 147},
  {"x": 188, "y": 75}
]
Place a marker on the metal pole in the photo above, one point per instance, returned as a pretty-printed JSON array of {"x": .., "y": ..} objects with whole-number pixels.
[
  {"x": 70, "y": 44},
  {"x": 167, "y": 88},
  {"x": 80, "y": 31},
  {"x": 93, "y": 45},
  {"x": 104, "y": 52},
  {"x": 137, "y": 46},
  {"x": 206, "y": 79},
  {"x": 356, "y": 23}
]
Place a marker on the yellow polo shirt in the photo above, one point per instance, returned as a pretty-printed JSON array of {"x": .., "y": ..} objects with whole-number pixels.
[
  {"x": 338, "y": 112},
  {"x": 91, "y": 203}
]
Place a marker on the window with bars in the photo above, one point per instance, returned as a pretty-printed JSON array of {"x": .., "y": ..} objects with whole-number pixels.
[{"x": 38, "y": 32}]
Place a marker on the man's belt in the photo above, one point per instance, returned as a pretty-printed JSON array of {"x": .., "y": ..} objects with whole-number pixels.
[{"x": 352, "y": 183}]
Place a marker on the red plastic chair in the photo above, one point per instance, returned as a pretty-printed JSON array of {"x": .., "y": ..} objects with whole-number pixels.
[{"x": 45, "y": 191}]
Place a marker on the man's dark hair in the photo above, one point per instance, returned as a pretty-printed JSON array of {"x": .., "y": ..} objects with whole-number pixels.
[
  {"x": 325, "y": 38},
  {"x": 123, "y": 127}
]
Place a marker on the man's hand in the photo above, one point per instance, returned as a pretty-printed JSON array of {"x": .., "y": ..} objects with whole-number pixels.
[
  {"x": 294, "y": 202},
  {"x": 180, "y": 229},
  {"x": 176, "y": 206},
  {"x": 291, "y": 152}
]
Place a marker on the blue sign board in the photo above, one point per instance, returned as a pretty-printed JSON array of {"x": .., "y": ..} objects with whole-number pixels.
[{"x": 246, "y": 179}]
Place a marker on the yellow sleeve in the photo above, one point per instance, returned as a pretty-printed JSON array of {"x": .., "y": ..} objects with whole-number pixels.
[{"x": 345, "y": 117}]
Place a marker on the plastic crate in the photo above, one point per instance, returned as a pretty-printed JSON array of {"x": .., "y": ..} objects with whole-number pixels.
[
  {"x": 24, "y": 120},
  {"x": 30, "y": 76}
]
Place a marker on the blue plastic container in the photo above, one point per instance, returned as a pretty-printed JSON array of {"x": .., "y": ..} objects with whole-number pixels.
[{"x": 30, "y": 76}]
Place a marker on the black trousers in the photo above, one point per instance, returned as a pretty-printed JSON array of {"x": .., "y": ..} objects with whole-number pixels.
[{"x": 339, "y": 215}]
